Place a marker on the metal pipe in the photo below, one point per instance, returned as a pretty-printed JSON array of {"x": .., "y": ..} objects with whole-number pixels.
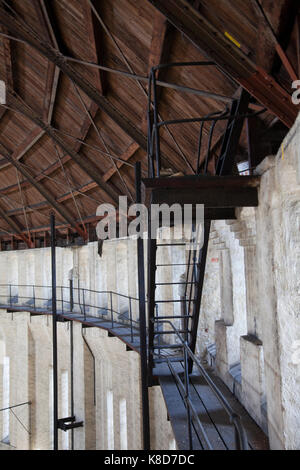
[
  {"x": 54, "y": 334},
  {"x": 143, "y": 330}
]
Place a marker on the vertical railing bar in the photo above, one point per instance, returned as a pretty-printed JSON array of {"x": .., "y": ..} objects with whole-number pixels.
[
  {"x": 130, "y": 316},
  {"x": 155, "y": 124},
  {"x": 33, "y": 293},
  {"x": 187, "y": 393},
  {"x": 111, "y": 310},
  {"x": 71, "y": 295},
  {"x": 83, "y": 298},
  {"x": 62, "y": 299}
]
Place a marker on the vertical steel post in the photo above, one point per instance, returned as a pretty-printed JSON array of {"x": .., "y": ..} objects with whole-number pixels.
[
  {"x": 143, "y": 331},
  {"x": 54, "y": 334},
  {"x": 72, "y": 378},
  {"x": 71, "y": 295},
  {"x": 187, "y": 393}
]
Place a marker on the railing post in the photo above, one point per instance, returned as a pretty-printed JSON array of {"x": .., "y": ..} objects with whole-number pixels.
[
  {"x": 33, "y": 294},
  {"x": 83, "y": 298},
  {"x": 71, "y": 295},
  {"x": 187, "y": 392},
  {"x": 130, "y": 316},
  {"x": 111, "y": 310},
  {"x": 62, "y": 298}
]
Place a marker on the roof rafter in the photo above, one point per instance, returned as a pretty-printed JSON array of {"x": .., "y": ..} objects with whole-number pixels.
[
  {"x": 53, "y": 72},
  {"x": 159, "y": 51},
  {"x": 22, "y": 32},
  {"x": 32, "y": 138},
  {"x": 16, "y": 227},
  {"x": 96, "y": 43},
  {"x": 83, "y": 162},
  {"x": 270, "y": 33},
  {"x": 46, "y": 194},
  {"x": 228, "y": 57}
]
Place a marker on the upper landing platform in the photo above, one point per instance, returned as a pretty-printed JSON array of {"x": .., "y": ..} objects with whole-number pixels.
[{"x": 219, "y": 194}]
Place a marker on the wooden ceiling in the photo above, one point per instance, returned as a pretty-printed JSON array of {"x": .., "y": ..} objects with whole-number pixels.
[{"x": 70, "y": 133}]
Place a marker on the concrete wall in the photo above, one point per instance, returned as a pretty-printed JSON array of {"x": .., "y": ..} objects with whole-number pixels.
[
  {"x": 256, "y": 336},
  {"x": 106, "y": 388}
]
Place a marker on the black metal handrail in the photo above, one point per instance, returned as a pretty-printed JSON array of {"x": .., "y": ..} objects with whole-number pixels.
[
  {"x": 235, "y": 419},
  {"x": 228, "y": 114},
  {"x": 72, "y": 299}
]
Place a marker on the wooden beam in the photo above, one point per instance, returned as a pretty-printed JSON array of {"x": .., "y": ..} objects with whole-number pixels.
[
  {"x": 82, "y": 161},
  {"x": 84, "y": 188},
  {"x": 16, "y": 227},
  {"x": 95, "y": 50},
  {"x": 53, "y": 73},
  {"x": 275, "y": 24},
  {"x": 57, "y": 165},
  {"x": 161, "y": 41},
  {"x": 29, "y": 141},
  {"x": 228, "y": 57},
  {"x": 132, "y": 149},
  {"x": 20, "y": 30},
  {"x": 8, "y": 45},
  {"x": 46, "y": 194}
]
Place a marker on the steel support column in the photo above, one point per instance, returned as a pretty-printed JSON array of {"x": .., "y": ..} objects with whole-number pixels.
[
  {"x": 143, "y": 331},
  {"x": 54, "y": 334}
]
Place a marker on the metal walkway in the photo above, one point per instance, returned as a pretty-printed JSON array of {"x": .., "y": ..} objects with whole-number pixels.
[{"x": 198, "y": 417}]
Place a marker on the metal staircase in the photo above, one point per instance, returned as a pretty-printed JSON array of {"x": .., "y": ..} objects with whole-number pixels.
[
  {"x": 174, "y": 300},
  {"x": 185, "y": 301}
]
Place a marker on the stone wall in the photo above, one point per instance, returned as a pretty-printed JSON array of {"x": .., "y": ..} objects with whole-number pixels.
[
  {"x": 256, "y": 336},
  {"x": 106, "y": 388}
]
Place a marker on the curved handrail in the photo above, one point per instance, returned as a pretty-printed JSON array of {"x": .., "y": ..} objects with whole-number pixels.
[{"x": 77, "y": 300}]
